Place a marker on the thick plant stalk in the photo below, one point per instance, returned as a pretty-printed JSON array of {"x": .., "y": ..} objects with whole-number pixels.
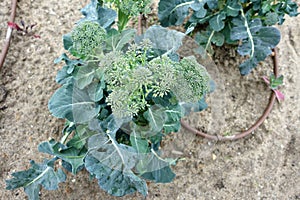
[
  {"x": 8, "y": 34},
  {"x": 254, "y": 126}
]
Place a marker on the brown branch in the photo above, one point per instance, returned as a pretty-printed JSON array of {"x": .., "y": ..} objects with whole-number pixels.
[
  {"x": 254, "y": 126},
  {"x": 8, "y": 34}
]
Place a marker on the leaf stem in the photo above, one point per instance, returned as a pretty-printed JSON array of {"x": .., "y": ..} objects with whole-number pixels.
[
  {"x": 182, "y": 4},
  {"x": 209, "y": 40},
  {"x": 249, "y": 33},
  {"x": 38, "y": 177}
]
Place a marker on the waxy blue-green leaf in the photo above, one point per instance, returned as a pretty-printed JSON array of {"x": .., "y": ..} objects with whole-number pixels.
[
  {"x": 173, "y": 12},
  {"x": 156, "y": 117},
  {"x": 94, "y": 12},
  {"x": 113, "y": 164},
  {"x": 62, "y": 76},
  {"x": 82, "y": 134},
  {"x": 67, "y": 41},
  {"x": 155, "y": 168},
  {"x": 70, "y": 155},
  {"x": 73, "y": 104},
  {"x": 173, "y": 116},
  {"x": 116, "y": 42},
  {"x": 194, "y": 107},
  {"x": 233, "y": 8},
  {"x": 257, "y": 41},
  {"x": 217, "y": 22},
  {"x": 65, "y": 74},
  {"x": 85, "y": 75},
  {"x": 95, "y": 90},
  {"x": 38, "y": 175},
  {"x": 115, "y": 182},
  {"x": 164, "y": 39}
]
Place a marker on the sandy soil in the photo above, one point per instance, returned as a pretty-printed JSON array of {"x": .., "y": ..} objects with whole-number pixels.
[{"x": 265, "y": 165}]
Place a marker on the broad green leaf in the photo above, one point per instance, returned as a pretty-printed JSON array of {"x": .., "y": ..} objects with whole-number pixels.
[
  {"x": 73, "y": 104},
  {"x": 218, "y": 39},
  {"x": 194, "y": 107},
  {"x": 38, "y": 175},
  {"x": 69, "y": 62},
  {"x": 95, "y": 90},
  {"x": 85, "y": 75},
  {"x": 233, "y": 8},
  {"x": 94, "y": 12},
  {"x": 156, "y": 117},
  {"x": 62, "y": 76},
  {"x": 82, "y": 134},
  {"x": 173, "y": 12},
  {"x": 271, "y": 18},
  {"x": 115, "y": 182},
  {"x": 257, "y": 41},
  {"x": 70, "y": 155},
  {"x": 217, "y": 22},
  {"x": 155, "y": 168},
  {"x": 67, "y": 41},
  {"x": 65, "y": 74},
  {"x": 164, "y": 39},
  {"x": 140, "y": 144},
  {"x": 172, "y": 122},
  {"x": 116, "y": 42},
  {"x": 112, "y": 163}
]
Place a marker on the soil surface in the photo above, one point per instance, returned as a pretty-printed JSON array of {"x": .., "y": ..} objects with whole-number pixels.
[{"x": 266, "y": 165}]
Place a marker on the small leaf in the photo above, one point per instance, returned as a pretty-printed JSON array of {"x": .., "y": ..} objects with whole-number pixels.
[
  {"x": 164, "y": 39},
  {"x": 156, "y": 117},
  {"x": 153, "y": 167},
  {"x": 62, "y": 75},
  {"x": 271, "y": 18},
  {"x": 95, "y": 91},
  {"x": 217, "y": 22},
  {"x": 13, "y": 25},
  {"x": 85, "y": 75},
  {"x": 67, "y": 41},
  {"x": 279, "y": 95},
  {"x": 275, "y": 82},
  {"x": 173, "y": 12},
  {"x": 116, "y": 42},
  {"x": 35, "y": 177},
  {"x": 81, "y": 136},
  {"x": 218, "y": 39},
  {"x": 70, "y": 155},
  {"x": 173, "y": 116},
  {"x": 233, "y": 8},
  {"x": 94, "y": 12}
]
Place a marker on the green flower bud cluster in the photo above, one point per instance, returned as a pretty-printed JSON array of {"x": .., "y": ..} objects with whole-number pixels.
[
  {"x": 132, "y": 7},
  {"x": 86, "y": 37},
  {"x": 135, "y": 7},
  {"x": 132, "y": 79},
  {"x": 193, "y": 80}
]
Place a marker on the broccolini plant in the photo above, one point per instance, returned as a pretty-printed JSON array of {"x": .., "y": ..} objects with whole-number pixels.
[
  {"x": 244, "y": 23},
  {"x": 120, "y": 96}
]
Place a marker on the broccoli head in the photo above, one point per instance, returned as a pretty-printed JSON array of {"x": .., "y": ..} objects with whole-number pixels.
[{"x": 86, "y": 37}]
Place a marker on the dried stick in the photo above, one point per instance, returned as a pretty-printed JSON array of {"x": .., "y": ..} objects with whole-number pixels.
[{"x": 8, "y": 34}]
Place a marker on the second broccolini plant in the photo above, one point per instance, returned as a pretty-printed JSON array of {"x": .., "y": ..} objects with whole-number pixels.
[{"x": 243, "y": 23}]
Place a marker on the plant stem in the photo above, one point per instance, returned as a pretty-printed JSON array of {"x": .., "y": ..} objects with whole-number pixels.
[{"x": 8, "y": 34}]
